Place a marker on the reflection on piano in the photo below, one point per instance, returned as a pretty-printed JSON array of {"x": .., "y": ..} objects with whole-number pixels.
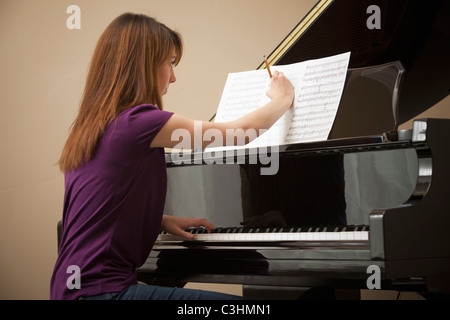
[{"x": 370, "y": 195}]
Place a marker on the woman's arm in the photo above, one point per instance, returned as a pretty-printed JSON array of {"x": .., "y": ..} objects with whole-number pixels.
[{"x": 281, "y": 93}]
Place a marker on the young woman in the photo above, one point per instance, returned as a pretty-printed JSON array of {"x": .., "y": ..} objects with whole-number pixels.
[{"x": 114, "y": 164}]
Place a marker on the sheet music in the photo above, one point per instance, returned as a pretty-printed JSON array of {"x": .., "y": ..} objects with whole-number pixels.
[{"x": 318, "y": 88}]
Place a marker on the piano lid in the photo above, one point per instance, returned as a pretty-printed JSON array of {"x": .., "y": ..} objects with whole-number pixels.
[{"x": 415, "y": 33}]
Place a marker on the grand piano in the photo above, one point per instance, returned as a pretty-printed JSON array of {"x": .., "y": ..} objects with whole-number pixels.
[{"x": 368, "y": 207}]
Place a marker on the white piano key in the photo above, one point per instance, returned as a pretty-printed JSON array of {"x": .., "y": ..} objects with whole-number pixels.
[
  {"x": 365, "y": 235},
  {"x": 348, "y": 235},
  {"x": 330, "y": 236}
]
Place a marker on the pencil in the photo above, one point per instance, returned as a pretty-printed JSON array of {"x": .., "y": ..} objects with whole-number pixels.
[{"x": 267, "y": 65}]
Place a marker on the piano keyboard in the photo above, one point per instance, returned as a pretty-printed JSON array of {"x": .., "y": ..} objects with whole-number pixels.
[{"x": 343, "y": 233}]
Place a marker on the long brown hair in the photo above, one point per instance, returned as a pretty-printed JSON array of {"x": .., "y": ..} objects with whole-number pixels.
[{"x": 122, "y": 74}]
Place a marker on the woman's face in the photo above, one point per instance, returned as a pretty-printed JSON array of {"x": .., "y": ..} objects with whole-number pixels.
[{"x": 166, "y": 74}]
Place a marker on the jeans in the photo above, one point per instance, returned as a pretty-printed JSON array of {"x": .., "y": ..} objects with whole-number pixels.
[{"x": 148, "y": 292}]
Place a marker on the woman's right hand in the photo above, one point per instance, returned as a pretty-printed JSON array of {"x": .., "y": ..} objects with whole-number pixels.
[{"x": 280, "y": 88}]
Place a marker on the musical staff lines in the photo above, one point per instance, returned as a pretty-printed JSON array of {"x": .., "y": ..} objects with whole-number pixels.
[{"x": 318, "y": 88}]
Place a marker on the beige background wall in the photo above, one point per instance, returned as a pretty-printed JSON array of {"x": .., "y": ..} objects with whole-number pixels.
[{"x": 43, "y": 67}]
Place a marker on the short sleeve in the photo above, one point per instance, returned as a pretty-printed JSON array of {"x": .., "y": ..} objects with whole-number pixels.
[{"x": 145, "y": 122}]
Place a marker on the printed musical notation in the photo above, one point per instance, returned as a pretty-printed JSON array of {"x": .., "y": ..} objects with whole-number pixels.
[{"x": 318, "y": 89}]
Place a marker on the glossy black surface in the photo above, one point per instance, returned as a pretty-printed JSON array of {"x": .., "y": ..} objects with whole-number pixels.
[
  {"x": 319, "y": 190},
  {"x": 416, "y": 33}
]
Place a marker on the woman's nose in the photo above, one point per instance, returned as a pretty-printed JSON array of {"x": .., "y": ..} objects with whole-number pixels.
[{"x": 172, "y": 76}]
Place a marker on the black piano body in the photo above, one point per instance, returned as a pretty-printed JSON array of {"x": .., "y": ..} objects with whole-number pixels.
[{"x": 366, "y": 208}]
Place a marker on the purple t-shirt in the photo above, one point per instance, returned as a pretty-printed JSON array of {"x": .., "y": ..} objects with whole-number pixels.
[{"x": 113, "y": 206}]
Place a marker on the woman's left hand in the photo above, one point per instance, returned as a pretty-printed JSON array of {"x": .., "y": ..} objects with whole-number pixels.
[{"x": 176, "y": 225}]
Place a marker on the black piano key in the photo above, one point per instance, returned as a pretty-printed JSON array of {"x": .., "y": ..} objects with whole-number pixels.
[{"x": 362, "y": 227}]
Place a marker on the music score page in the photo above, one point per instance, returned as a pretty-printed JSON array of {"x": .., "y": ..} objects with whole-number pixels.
[{"x": 318, "y": 88}]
